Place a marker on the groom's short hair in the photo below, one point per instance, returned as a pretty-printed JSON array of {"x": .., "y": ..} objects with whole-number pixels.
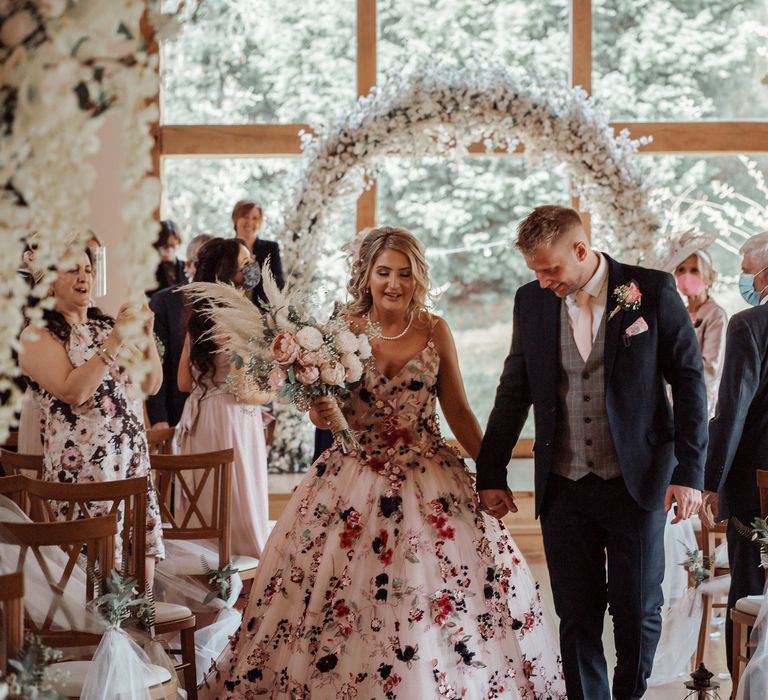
[{"x": 544, "y": 225}]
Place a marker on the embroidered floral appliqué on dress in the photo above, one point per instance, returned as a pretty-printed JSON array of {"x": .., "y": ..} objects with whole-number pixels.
[{"x": 383, "y": 580}]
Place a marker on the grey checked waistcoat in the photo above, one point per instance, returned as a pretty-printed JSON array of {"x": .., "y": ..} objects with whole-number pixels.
[{"x": 583, "y": 442}]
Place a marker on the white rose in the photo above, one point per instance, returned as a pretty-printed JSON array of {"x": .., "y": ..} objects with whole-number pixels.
[
  {"x": 310, "y": 338},
  {"x": 346, "y": 341},
  {"x": 363, "y": 347},
  {"x": 333, "y": 374},
  {"x": 348, "y": 359},
  {"x": 354, "y": 368}
]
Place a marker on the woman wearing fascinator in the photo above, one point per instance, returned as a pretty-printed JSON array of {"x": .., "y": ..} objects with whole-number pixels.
[
  {"x": 383, "y": 579},
  {"x": 691, "y": 264}
]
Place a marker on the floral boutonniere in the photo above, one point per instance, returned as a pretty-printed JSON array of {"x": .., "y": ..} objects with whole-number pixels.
[{"x": 627, "y": 297}]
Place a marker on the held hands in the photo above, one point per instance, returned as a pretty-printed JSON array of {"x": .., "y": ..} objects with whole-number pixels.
[
  {"x": 688, "y": 501},
  {"x": 497, "y": 502},
  {"x": 710, "y": 507}
]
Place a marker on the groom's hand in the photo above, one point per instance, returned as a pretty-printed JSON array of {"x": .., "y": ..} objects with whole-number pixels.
[
  {"x": 688, "y": 501},
  {"x": 497, "y": 502}
]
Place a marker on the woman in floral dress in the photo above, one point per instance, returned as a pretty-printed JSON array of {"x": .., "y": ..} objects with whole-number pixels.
[
  {"x": 383, "y": 579},
  {"x": 91, "y": 415}
]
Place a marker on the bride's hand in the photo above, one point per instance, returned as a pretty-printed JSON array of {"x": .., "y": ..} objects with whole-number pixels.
[
  {"x": 497, "y": 502},
  {"x": 326, "y": 409}
]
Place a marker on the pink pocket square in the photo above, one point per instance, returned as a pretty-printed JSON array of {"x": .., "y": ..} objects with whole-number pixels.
[{"x": 638, "y": 327}]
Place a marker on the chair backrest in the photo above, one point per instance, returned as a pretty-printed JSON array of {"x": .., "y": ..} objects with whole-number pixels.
[
  {"x": 160, "y": 440},
  {"x": 37, "y": 543},
  {"x": 12, "y": 441},
  {"x": 14, "y": 463},
  {"x": 762, "y": 485},
  {"x": 12, "y": 598},
  {"x": 126, "y": 498},
  {"x": 202, "y": 484},
  {"x": 17, "y": 463}
]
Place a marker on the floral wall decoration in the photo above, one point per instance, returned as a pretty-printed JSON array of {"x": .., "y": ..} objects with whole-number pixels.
[{"x": 63, "y": 65}]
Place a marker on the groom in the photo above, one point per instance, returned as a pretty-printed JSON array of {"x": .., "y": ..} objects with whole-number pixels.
[{"x": 592, "y": 345}]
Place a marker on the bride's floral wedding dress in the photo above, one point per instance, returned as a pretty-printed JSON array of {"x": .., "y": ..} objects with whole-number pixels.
[{"x": 383, "y": 580}]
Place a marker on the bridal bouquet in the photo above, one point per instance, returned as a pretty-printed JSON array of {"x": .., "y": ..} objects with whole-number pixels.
[{"x": 283, "y": 349}]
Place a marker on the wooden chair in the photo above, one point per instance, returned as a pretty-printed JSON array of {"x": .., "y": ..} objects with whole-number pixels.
[
  {"x": 61, "y": 625},
  {"x": 128, "y": 499},
  {"x": 13, "y": 463},
  {"x": 195, "y": 475},
  {"x": 711, "y": 538},
  {"x": 744, "y": 613},
  {"x": 12, "y": 441},
  {"x": 160, "y": 440},
  {"x": 12, "y": 598}
]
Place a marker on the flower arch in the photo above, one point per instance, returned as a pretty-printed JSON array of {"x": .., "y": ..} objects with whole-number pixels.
[{"x": 441, "y": 111}]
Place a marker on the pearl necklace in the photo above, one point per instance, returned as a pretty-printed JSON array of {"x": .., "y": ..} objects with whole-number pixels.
[{"x": 392, "y": 337}]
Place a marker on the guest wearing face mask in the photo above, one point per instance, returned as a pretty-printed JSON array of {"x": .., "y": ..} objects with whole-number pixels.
[
  {"x": 165, "y": 407},
  {"x": 217, "y": 414},
  {"x": 247, "y": 218},
  {"x": 170, "y": 270},
  {"x": 695, "y": 275},
  {"x": 738, "y": 434}
]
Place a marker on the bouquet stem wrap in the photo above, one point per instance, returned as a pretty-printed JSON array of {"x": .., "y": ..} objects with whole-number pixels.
[{"x": 343, "y": 433}]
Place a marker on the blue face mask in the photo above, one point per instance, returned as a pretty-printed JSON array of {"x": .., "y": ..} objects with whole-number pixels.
[
  {"x": 251, "y": 276},
  {"x": 747, "y": 288}
]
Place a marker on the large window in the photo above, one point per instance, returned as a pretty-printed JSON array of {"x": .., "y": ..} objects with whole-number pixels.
[{"x": 245, "y": 76}]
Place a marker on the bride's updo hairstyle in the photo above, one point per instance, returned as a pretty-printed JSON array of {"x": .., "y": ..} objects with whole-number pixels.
[{"x": 376, "y": 241}]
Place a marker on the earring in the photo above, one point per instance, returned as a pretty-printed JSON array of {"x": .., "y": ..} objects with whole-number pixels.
[{"x": 367, "y": 290}]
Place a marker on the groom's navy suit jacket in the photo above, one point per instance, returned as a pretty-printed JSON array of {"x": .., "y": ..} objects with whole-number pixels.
[{"x": 654, "y": 446}]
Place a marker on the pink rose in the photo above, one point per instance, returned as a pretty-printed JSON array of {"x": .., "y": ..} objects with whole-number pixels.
[
  {"x": 633, "y": 294},
  {"x": 311, "y": 358},
  {"x": 285, "y": 348},
  {"x": 333, "y": 374},
  {"x": 307, "y": 375},
  {"x": 276, "y": 378}
]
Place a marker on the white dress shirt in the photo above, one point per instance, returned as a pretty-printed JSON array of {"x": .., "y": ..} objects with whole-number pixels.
[{"x": 597, "y": 289}]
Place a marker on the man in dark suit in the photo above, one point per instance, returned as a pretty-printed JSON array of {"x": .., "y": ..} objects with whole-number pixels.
[
  {"x": 165, "y": 407},
  {"x": 592, "y": 344},
  {"x": 738, "y": 434}
]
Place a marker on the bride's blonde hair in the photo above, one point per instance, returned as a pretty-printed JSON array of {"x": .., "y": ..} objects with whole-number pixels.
[{"x": 376, "y": 241}]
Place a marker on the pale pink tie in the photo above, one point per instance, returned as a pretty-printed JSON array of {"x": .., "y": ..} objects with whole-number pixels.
[{"x": 582, "y": 329}]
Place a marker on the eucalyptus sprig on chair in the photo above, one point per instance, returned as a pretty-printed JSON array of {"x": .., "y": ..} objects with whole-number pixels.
[
  {"x": 219, "y": 581},
  {"x": 697, "y": 565},
  {"x": 120, "y": 600}
]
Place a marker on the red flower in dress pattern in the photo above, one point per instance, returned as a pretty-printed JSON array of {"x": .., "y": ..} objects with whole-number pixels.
[
  {"x": 376, "y": 464},
  {"x": 439, "y": 521},
  {"x": 392, "y": 433},
  {"x": 442, "y": 607},
  {"x": 352, "y": 528}
]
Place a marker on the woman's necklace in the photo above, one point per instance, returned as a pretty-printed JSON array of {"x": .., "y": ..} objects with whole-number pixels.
[{"x": 392, "y": 337}]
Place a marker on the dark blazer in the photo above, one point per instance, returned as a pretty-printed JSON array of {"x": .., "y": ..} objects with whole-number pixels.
[
  {"x": 163, "y": 279},
  {"x": 262, "y": 250},
  {"x": 654, "y": 447},
  {"x": 738, "y": 434},
  {"x": 169, "y": 307}
]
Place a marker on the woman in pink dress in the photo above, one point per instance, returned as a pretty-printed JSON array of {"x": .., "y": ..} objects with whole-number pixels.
[
  {"x": 214, "y": 418},
  {"x": 383, "y": 579}
]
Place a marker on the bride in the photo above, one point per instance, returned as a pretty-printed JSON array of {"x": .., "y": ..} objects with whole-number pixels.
[{"x": 383, "y": 579}]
